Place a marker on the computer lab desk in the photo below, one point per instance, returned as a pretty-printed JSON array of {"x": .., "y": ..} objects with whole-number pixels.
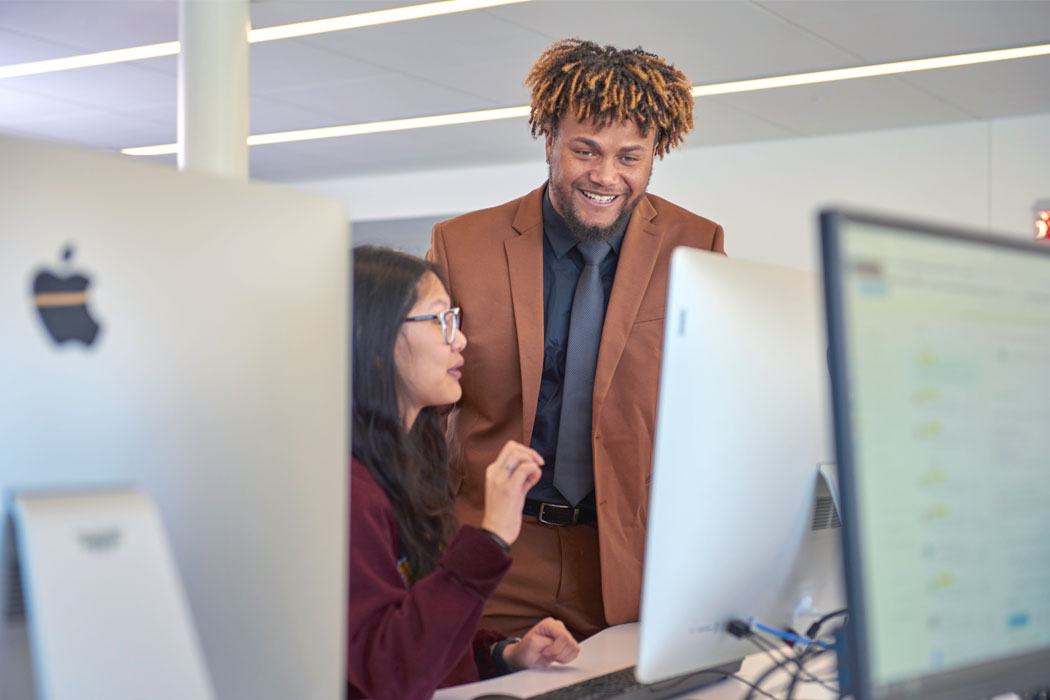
[{"x": 616, "y": 648}]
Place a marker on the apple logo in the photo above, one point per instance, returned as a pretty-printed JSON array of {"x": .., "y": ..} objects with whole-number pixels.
[{"x": 61, "y": 300}]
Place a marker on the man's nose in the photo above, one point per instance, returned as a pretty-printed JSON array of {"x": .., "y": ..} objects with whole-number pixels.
[{"x": 605, "y": 172}]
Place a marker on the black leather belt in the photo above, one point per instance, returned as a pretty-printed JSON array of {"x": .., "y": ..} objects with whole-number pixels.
[{"x": 554, "y": 514}]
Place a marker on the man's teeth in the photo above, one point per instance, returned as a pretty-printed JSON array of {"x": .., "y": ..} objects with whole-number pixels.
[{"x": 599, "y": 198}]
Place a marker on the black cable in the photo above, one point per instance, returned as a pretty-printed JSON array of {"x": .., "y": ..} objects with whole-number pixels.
[
  {"x": 797, "y": 659},
  {"x": 768, "y": 672},
  {"x": 794, "y": 682},
  {"x": 807, "y": 657},
  {"x": 815, "y": 627},
  {"x": 753, "y": 687},
  {"x": 770, "y": 650},
  {"x": 781, "y": 659}
]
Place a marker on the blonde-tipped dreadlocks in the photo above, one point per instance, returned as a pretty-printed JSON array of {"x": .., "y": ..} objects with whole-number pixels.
[{"x": 610, "y": 84}]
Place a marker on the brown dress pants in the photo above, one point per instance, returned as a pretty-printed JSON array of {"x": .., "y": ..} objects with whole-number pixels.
[{"x": 555, "y": 573}]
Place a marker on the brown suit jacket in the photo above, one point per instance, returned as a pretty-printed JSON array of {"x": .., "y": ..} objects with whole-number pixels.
[{"x": 494, "y": 261}]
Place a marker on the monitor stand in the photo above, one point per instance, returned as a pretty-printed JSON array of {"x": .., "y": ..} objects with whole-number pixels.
[{"x": 107, "y": 616}]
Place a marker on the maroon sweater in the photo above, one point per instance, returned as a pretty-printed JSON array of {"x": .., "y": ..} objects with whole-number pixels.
[{"x": 404, "y": 643}]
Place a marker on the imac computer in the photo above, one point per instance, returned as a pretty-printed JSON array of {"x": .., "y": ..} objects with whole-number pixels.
[
  {"x": 941, "y": 384},
  {"x": 184, "y": 336},
  {"x": 739, "y": 520}
]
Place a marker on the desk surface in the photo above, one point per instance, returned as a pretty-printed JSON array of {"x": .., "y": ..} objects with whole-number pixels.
[{"x": 613, "y": 649}]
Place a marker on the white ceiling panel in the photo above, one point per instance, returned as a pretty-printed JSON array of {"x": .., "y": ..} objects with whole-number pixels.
[
  {"x": 292, "y": 160},
  {"x": 115, "y": 86},
  {"x": 357, "y": 155},
  {"x": 20, "y": 109},
  {"x": 709, "y": 41},
  {"x": 92, "y": 128},
  {"x": 452, "y": 40},
  {"x": 478, "y": 59},
  {"x": 1003, "y": 89},
  {"x": 19, "y": 48},
  {"x": 163, "y": 114},
  {"x": 489, "y": 140},
  {"x": 892, "y": 30},
  {"x": 495, "y": 82},
  {"x": 849, "y": 105},
  {"x": 396, "y": 96},
  {"x": 91, "y": 25},
  {"x": 269, "y": 116},
  {"x": 295, "y": 63},
  {"x": 270, "y": 13},
  {"x": 718, "y": 122}
]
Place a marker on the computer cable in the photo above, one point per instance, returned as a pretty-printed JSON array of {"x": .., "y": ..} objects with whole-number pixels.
[
  {"x": 799, "y": 656},
  {"x": 753, "y": 687},
  {"x": 757, "y": 684},
  {"x": 769, "y": 649},
  {"x": 814, "y": 629},
  {"x": 782, "y": 660},
  {"x": 746, "y": 630},
  {"x": 795, "y": 679},
  {"x": 790, "y": 636},
  {"x": 807, "y": 656},
  {"x": 743, "y": 630},
  {"x": 806, "y": 676}
]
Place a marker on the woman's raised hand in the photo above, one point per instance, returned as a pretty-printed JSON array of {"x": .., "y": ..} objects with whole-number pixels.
[{"x": 507, "y": 480}]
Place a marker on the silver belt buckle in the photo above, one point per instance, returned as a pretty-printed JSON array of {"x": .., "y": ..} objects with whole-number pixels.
[{"x": 554, "y": 506}]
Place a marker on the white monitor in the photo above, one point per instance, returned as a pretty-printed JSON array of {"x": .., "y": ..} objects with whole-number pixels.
[
  {"x": 216, "y": 382},
  {"x": 742, "y": 424},
  {"x": 942, "y": 390}
]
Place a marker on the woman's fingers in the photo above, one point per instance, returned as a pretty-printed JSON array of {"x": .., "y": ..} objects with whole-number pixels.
[
  {"x": 514, "y": 452},
  {"x": 525, "y": 475},
  {"x": 563, "y": 648}
]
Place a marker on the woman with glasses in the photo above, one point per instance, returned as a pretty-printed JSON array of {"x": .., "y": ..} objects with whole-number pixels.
[{"x": 418, "y": 581}]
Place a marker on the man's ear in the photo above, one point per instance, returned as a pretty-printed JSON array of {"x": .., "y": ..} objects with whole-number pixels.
[{"x": 549, "y": 145}]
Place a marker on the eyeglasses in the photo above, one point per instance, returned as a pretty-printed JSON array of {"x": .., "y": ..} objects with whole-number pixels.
[{"x": 449, "y": 319}]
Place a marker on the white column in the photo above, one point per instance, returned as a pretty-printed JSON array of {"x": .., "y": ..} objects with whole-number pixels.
[{"x": 213, "y": 86}]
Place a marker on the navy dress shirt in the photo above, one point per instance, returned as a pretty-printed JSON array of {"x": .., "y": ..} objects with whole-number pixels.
[{"x": 562, "y": 265}]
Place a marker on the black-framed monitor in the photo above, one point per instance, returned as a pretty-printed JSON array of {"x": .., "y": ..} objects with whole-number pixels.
[{"x": 941, "y": 386}]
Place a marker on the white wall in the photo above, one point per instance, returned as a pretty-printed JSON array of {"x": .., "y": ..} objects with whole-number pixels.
[{"x": 982, "y": 174}]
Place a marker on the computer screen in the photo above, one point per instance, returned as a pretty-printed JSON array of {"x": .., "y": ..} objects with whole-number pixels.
[
  {"x": 941, "y": 389},
  {"x": 186, "y": 335},
  {"x": 742, "y": 427}
]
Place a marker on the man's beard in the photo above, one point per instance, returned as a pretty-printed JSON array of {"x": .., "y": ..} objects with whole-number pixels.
[{"x": 582, "y": 231}]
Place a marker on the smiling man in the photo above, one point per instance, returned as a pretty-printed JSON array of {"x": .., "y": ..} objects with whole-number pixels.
[{"x": 563, "y": 294}]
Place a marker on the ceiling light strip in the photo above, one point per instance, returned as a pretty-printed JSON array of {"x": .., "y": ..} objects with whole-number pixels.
[
  {"x": 285, "y": 31},
  {"x": 827, "y": 76},
  {"x": 136, "y": 53},
  {"x": 698, "y": 91},
  {"x": 328, "y": 132},
  {"x": 368, "y": 19}
]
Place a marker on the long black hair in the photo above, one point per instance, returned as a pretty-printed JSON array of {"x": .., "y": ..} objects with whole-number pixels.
[{"x": 410, "y": 467}]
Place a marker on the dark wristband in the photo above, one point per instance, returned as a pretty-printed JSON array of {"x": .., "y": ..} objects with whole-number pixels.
[
  {"x": 499, "y": 664},
  {"x": 497, "y": 539}
]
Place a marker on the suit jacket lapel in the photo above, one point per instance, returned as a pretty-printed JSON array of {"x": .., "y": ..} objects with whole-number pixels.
[
  {"x": 525, "y": 266},
  {"x": 638, "y": 254}
]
